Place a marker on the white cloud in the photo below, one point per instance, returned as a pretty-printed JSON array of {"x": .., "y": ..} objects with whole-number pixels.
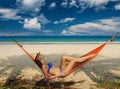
[
  {"x": 52, "y": 5},
  {"x": 22, "y": 34},
  {"x": 64, "y": 20},
  {"x": 6, "y": 13},
  {"x": 32, "y": 24},
  {"x": 117, "y": 7},
  {"x": 96, "y": 3},
  {"x": 73, "y": 3},
  {"x": 67, "y": 20},
  {"x": 33, "y": 5},
  {"x": 17, "y": 34},
  {"x": 83, "y": 4},
  {"x": 56, "y": 22},
  {"x": 103, "y": 26},
  {"x": 67, "y": 33},
  {"x": 3, "y": 34},
  {"x": 42, "y": 19},
  {"x": 64, "y": 3},
  {"x": 47, "y": 31}
]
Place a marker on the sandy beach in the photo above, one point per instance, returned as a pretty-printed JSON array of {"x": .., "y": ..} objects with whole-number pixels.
[{"x": 15, "y": 64}]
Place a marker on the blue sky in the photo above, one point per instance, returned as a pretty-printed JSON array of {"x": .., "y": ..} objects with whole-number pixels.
[{"x": 59, "y": 17}]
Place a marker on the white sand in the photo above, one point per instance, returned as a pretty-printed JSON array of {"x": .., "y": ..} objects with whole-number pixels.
[
  {"x": 111, "y": 50},
  {"x": 14, "y": 62}
]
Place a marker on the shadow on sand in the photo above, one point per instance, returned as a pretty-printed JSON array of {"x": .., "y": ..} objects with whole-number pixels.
[
  {"x": 57, "y": 84},
  {"x": 17, "y": 63}
]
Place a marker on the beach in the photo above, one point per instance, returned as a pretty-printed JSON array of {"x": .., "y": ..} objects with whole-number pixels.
[{"x": 15, "y": 64}]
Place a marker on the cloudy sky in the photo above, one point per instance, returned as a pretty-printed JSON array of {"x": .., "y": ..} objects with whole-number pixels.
[{"x": 59, "y": 17}]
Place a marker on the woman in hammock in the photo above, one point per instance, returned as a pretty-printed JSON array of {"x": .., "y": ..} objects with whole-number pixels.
[{"x": 66, "y": 65}]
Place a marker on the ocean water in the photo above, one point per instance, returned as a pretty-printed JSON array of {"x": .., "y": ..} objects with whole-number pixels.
[{"x": 57, "y": 39}]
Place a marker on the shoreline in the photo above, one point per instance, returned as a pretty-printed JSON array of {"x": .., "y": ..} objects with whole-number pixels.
[{"x": 39, "y": 43}]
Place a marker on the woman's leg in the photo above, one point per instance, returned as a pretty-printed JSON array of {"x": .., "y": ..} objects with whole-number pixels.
[
  {"x": 64, "y": 60},
  {"x": 76, "y": 60},
  {"x": 84, "y": 58}
]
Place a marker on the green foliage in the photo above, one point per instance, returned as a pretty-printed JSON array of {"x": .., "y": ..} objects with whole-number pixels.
[
  {"x": 4, "y": 88},
  {"x": 41, "y": 87},
  {"x": 107, "y": 84}
]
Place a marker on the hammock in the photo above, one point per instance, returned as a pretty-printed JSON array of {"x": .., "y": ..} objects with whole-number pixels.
[
  {"x": 94, "y": 51},
  {"x": 78, "y": 65}
]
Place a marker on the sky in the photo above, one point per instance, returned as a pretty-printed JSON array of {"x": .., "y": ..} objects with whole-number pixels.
[{"x": 59, "y": 17}]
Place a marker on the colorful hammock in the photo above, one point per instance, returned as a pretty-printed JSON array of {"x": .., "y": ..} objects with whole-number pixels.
[
  {"x": 78, "y": 65},
  {"x": 94, "y": 51}
]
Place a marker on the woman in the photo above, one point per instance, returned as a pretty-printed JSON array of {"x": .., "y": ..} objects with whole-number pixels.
[{"x": 66, "y": 64}]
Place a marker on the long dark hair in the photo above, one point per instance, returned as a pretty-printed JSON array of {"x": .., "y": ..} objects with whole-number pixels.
[{"x": 37, "y": 61}]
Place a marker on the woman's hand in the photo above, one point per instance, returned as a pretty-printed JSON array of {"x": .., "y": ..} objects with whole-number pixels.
[{"x": 51, "y": 77}]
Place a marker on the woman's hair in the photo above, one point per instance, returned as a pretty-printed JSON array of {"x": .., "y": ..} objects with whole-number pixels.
[{"x": 37, "y": 61}]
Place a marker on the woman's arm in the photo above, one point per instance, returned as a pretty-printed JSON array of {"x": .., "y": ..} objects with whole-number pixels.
[
  {"x": 46, "y": 75},
  {"x": 45, "y": 72}
]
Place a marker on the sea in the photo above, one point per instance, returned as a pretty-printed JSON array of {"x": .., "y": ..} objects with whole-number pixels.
[{"x": 57, "y": 39}]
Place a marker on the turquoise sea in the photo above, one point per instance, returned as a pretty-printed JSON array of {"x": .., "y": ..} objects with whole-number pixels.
[{"x": 57, "y": 39}]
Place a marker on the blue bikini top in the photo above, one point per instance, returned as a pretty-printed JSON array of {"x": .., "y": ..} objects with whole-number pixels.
[{"x": 49, "y": 66}]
